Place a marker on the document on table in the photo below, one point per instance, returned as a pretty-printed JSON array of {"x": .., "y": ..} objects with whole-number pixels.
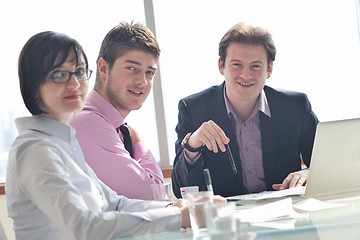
[
  {"x": 295, "y": 191},
  {"x": 281, "y": 209},
  {"x": 311, "y": 204},
  {"x": 283, "y": 224}
]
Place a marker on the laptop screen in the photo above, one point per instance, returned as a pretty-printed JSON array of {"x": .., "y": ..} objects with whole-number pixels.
[{"x": 335, "y": 161}]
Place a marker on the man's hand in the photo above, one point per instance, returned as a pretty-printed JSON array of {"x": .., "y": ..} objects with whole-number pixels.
[
  {"x": 294, "y": 179},
  {"x": 179, "y": 203},
  {"x": 210, "y": 135},
  {"x": 185, "y": 215}
]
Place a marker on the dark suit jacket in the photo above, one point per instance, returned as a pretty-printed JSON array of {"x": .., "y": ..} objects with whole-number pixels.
[{"x": 286, "y": 136}]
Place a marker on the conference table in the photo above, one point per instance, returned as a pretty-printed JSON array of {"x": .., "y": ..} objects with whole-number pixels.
[{"x": 340, "y": 223}]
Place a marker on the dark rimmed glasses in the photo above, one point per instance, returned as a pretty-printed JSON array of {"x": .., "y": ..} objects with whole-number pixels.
[{"x": 61, "y": 76}]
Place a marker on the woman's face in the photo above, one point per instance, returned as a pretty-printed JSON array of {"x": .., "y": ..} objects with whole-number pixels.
[{"x": 60, "y": 100}]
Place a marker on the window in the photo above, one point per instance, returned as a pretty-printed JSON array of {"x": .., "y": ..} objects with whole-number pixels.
[
  {"x": 86, "y": 21},
  {"x": 317, "y": 51}
]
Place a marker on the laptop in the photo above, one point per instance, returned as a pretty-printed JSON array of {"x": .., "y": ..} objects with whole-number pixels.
[
  {"x": 335, "y": 160},
  {"x": 334, "y": 167}
]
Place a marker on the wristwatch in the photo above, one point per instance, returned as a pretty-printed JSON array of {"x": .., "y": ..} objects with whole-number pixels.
[{"x": 185, "y": 145}]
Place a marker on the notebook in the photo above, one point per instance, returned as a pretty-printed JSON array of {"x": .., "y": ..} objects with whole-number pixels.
[
  {"x": 334, "y": 167},
  {"x": 335, "y": 161}
]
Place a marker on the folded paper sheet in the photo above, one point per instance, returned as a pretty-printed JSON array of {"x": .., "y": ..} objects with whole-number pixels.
[
  {"x": 311, "y": 204},
  {"x": 281, "y": 209}
]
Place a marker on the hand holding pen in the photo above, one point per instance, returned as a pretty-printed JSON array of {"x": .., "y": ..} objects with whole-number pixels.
[{"x": 209, "y": 135}]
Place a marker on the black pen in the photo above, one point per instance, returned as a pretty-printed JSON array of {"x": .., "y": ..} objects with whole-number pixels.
[
  {"x": 232, "y": 162},
  {"x": 208, "y": 179}
]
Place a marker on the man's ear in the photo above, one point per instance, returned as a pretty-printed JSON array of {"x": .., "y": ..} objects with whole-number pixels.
[
  {"x": 270, "y": 70},
  {"x": 220, "y": 66},
  {"x": 103, "y": 67}
]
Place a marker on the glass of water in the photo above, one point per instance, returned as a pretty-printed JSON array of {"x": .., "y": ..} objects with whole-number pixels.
[{"x": 221, "y": 221}]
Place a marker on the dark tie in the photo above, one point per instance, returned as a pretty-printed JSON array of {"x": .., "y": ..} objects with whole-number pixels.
[{"x": 127, "y": 138}]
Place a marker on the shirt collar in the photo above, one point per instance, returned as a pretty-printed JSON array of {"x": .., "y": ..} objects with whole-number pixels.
[
  {"x": 47, "y": 126},
  {"x": 260, "y": 105},
  {"x": 98, "y": 103}
]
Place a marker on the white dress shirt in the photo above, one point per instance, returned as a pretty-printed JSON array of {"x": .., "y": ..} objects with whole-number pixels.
[{"x": 53, "y": 194}]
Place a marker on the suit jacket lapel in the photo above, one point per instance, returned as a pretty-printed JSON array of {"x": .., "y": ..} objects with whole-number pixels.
[{"x": 270, "y": 138}]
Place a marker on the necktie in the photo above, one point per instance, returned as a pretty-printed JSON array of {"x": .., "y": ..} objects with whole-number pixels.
[{"x": 127, "y": 138}]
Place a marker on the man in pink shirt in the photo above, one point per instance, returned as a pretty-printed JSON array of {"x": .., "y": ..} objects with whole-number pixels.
[{"x": 126, "y": 66}]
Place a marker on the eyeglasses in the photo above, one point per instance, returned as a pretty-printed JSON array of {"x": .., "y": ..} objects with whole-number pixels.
[{"x": 64, "y": 76}]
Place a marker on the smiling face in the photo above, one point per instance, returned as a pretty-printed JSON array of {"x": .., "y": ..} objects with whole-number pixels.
[
  {"x": 129, "y": 82},
  {"x": 60, "y": 100},
  {"x": 245, "y": 71}
]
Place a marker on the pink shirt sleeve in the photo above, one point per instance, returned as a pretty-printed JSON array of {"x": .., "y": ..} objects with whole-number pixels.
[{"x": 105, "y": 152}]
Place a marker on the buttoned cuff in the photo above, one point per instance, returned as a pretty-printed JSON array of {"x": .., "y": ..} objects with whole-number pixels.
[
  {"x": 168, "y": 219},
  {"x": 191, "y": 162}
]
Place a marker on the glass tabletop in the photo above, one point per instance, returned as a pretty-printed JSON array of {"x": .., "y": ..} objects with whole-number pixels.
[{"x": 335, "y": 223}]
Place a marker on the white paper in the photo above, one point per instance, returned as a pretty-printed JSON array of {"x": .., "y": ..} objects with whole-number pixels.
[
  {"x": 285, "y": 224},
  {"x": 312, "y": 204},
  {"x": 281, "y": 209}
]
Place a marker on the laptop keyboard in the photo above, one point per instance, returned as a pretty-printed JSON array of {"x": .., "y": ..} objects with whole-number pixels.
[{"x": 295, "y": 191}]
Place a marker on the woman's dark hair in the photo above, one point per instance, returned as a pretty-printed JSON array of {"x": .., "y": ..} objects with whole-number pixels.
[{"x": 41, "y": 54}]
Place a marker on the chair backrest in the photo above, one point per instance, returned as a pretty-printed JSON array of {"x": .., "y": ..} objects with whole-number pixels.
[{"x": 2, "y": 233}]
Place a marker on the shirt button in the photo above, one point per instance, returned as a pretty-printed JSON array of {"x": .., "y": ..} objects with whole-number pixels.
[{"x": 246, "y": 149}]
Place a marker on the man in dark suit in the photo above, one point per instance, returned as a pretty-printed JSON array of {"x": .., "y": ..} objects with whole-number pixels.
[{"x": 268, "y": 131}]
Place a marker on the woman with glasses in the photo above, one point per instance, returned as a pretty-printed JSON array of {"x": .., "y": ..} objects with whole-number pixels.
[{"x": 51, "y": 192}]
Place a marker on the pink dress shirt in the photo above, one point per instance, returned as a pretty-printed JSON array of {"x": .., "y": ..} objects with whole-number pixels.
[{"x": 105, "y": 152}]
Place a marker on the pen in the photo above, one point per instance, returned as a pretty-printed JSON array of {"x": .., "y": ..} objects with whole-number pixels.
[
  {"x": 208, "y": 179},
  {"x": 232, "y": 162}
]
